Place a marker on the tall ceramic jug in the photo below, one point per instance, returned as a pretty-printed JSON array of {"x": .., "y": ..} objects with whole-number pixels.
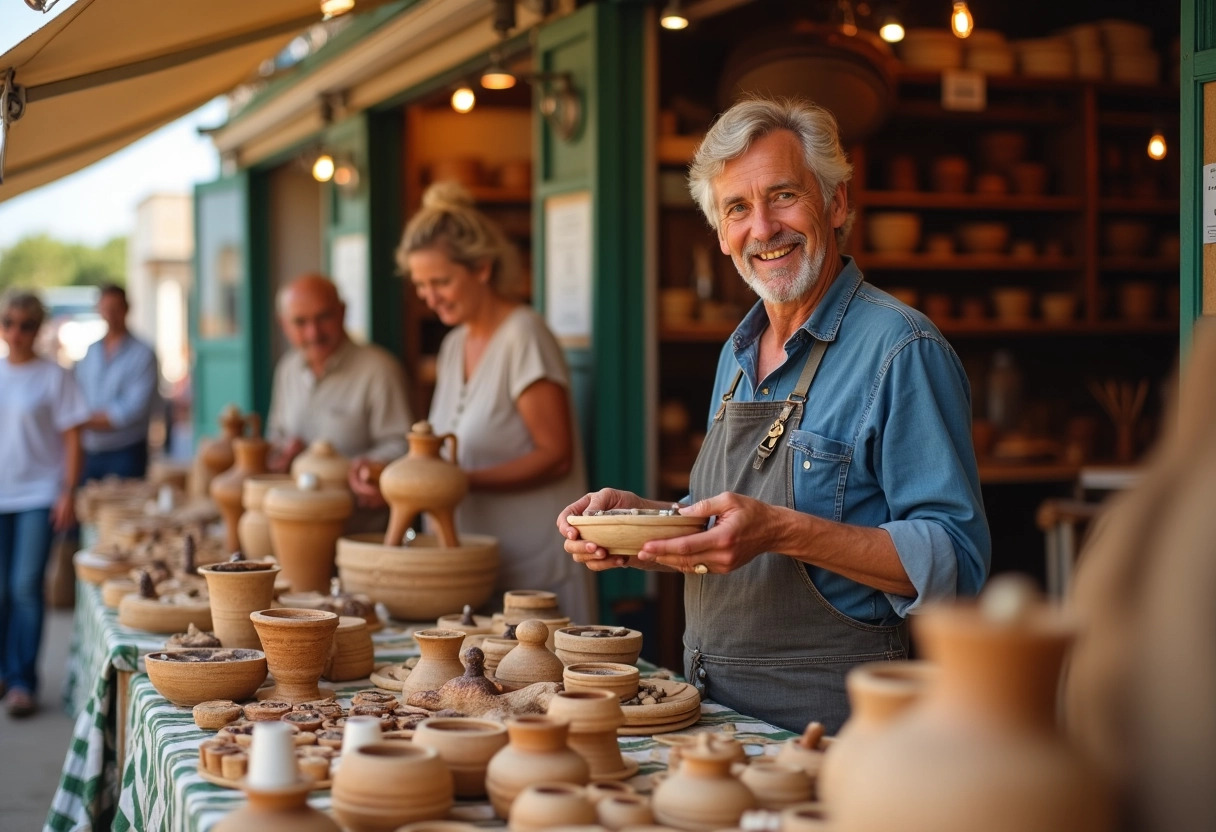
[
  {"x": 227, "y": 488},
  {"x": 423, "y": 481}
]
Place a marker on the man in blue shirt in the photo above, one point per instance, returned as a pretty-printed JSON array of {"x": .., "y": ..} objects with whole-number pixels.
[
  {"x": 119, "y": 378},
  {"x": 838, "y": 463}
]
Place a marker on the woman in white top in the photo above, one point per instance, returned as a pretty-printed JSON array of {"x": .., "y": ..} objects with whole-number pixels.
[
  {"x": 504, "y": 389},
  {"x": 41, "y": 410}
]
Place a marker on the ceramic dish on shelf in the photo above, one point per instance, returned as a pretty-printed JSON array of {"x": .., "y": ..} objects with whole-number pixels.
[{"x": 625, "y": 534}]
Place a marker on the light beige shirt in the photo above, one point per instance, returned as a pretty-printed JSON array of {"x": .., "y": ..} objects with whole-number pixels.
[{"x": 358, "y": 404}]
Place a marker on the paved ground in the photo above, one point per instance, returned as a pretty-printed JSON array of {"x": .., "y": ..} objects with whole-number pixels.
[{"x": 33, "y": 749}]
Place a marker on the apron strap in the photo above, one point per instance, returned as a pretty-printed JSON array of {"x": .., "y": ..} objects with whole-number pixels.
[
  {"x": 796, "y": 397},
  {"x": 727, "y": 396}
]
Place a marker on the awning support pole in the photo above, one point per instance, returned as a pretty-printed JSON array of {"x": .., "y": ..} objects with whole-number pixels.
[{"x": 12, "y": 107}]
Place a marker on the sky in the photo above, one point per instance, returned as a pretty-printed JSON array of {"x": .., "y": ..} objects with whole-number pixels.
[{"x": 98, "y": 202}]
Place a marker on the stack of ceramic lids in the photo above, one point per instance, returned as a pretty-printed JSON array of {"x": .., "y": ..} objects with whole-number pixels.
[
  {"x": 1131, "y": 58},
  {"x": 987, "y": 51},
  {"x": 679, "y": 708},
  {"x": 932, "y": 49},
  {"x": 1045, "y": 57}
]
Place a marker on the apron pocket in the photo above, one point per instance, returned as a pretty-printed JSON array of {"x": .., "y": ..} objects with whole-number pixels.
[{"x": 818, "y": 470}]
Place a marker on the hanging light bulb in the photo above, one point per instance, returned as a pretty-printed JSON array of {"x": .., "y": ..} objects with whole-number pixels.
[
  {"x": 961, "y": 22},
  {"x": 463, "y": 99},
  {"x": 333, "y": 8},
  {"x": 672, "y": 17},
  {"x": 891, "y": 30},
  {"x": 323, "y": 168},
  {"x": 496, "y": 76},
  {"x": 1157, "y": 147}
]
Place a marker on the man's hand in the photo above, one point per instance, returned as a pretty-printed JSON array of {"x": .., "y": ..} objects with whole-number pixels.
[
  {"x": 745, "y": 528},
  {"x": 98, "y": 420},
  {"x": 588, "y": 553},
  {"x": 63, "y": 513},
  {"x": 281, "y": 455}
]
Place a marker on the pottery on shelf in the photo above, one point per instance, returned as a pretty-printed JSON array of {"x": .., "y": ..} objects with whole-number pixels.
[
  {"x": 227, "y": 488},
  {"x": 297, "y": 645},
  {"x": 305, "y": 524},
  {"x": 237, "y": 589},
  {"x": 214, "y": 673},
  {"x": 702, "y": 794},
  {"x": 594, "y": 717},
  {"x": 422, "y": 481},
  {"x": 620, "y": 645},
  {"x": 253, "y": 529},
  {"x": 466, "y": 745},
  {"x": 422, "y": 580},
  {"x": 621, "y": 679},
  {"x": 982, "y": 749},
  {"x": 324, "y": 462},
  {"x": 352, "y": 655},
  {"x": 544, "y": 805},
  {"x": 530, "y": 661},
  {"x": 439, "y": 661},
  {"x": 380, "y": 787},
  {"x": 536, "y": 753}
]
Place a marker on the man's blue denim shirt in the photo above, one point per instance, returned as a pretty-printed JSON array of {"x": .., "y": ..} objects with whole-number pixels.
[{"x": 885, "y": 440}]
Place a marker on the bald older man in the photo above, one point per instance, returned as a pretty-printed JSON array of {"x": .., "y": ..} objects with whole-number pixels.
[{"x": 329, "y": 387}]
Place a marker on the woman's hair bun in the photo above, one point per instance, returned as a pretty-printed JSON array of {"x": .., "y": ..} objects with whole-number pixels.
[{"x": 447, "y": 196}]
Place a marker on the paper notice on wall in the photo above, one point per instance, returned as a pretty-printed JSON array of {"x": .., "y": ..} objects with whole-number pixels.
[
  {"x": 1209, "y": 204},
  {"x": 568, "y": 267},
  {"x": 349, "y": 266}
]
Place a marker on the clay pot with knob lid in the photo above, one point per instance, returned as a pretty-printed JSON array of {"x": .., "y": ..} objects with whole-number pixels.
[
  {"x": 305, "y": 524},
  {"x": 227, "y": 488},
  {"x": 422, "y": 481},
  {"x": 323, "y": 461},
  {"x": 702, "y": 794},
  {"x": 216, "y": 453}
]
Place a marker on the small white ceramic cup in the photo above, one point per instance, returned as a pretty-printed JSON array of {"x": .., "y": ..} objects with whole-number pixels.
[
  {"x": 360, "y": 731},
  {"x": 272, "y": 756}
]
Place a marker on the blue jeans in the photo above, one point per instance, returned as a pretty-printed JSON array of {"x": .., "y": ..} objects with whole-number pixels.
[
  {"x": 25, "y": 544},
  {"x": 131, "y": 462}
]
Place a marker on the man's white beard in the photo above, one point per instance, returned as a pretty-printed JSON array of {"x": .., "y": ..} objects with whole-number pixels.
[{"x": 783, "y": 285}]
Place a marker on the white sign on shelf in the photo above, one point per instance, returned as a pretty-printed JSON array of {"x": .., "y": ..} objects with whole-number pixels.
[
  {"x": 568, "y": 267},
  {"x": 1209, "y": 204},
  {"x": 964, "y": 89},
  {"x": 350, "y": 275}
]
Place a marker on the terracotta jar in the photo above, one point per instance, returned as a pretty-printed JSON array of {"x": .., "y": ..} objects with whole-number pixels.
[
  {"x": 621, "y": 679},
  {"x": 594, "y": 717},
  {"x": 981, "y": 750},
  {"x": 324, "y": 462},
  {"x": 423, "y": 481},
  {"x": 521, "y": 604},
  {"x": 352, "y": 655},
  {"x": 776, "y": 785},
  {"x": 878, "y": 693},
  {"x": 216, "y": 453},
  {"x": 806, "y": 752},
  {"x": 530, "y": 661},
  {"x": 544, "y": 805},
  {"x": 536, "y": 753},
  {"x": 466, "y": 745},
  {"x": 235, "y": 590},
  {"x": 227, "y": 488},
  {"x": 305, "y": 524},
  {"x": 618, "y": 811},
  {"x": 495, "y": 650},
  {"x": 382, "y": 786},
  {"x": 701, "y": 794},
  {"x": 253, "y": 529},
  {"x": 439, "y": 661},
  {"x": 297, "y": 645}
]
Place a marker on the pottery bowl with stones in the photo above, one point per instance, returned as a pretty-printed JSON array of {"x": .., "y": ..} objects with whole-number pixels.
[
  {"x": 190, "y": 676},
  {"x": 621, "y": 679},
  {"x": 625, "y": 534},
  {"x": 594, "y": 643}
]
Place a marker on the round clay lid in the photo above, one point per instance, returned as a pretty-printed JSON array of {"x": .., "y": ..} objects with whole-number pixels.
[
  {"x": 322, "y": 459},
  {"x": 306, "y": 501}
]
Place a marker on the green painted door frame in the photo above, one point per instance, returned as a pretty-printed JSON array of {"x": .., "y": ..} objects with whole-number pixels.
[{"x": 1198, "y": 67}]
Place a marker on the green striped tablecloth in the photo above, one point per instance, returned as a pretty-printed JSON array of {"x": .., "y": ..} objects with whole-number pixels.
[
  {"x": 161, "y": 788},
  {"x": 88, "y": 785}
]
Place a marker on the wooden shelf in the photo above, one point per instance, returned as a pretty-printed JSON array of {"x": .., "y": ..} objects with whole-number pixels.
[
  {"x": 1000, "y": 329},
  {"x": 694, "y": 332},
  {"x": 1138, "y": 264},
  {"x": 1000, "y": 473},
  {"x": 928, "y": 200},
  {"x": 873, "y": 261},
  {"x": 1133, "y": 205}
]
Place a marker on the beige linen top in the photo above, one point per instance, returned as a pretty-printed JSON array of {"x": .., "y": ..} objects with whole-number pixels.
[{"x": 358, "y": 403}]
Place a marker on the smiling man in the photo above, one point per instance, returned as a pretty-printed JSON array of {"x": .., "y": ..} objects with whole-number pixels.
[
  {"x": 329, "y": 387},
  {"x": 838, "y": 461}
]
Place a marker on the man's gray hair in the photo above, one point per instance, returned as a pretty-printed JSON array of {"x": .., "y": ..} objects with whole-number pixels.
[{"x": 753, "y": 118}]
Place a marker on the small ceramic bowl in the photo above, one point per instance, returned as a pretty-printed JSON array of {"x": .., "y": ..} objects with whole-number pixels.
[
  {"x": 618, "y": 645},
  {"x": 625, "y": 534},
  {"x": 188, "y": 677},
  {"x": 621, "y": 679}
]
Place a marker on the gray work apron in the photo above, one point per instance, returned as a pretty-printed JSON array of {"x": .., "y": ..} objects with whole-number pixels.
[{"x": 762, "y": 639}]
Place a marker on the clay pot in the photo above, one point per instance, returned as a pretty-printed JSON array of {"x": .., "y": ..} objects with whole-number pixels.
[
  {"x": 155, "y": 616},
  {"x": 253, "y": 529},
  {"x": 521, "y": 604},
  {"x": 701, "y": 794},
  {"x": 495, "y": 649},
  {"x": 423, "y": 481},
  {"x": 777, "y": 785},
  {"x": 297, "y": 645},
  {"x": 466, "y": 746},
  {"x": 621, "y": 679},
  {"x": 981, "y": 750},
  {"x": 621, "y": 810},
  {"x": 530, "y": 661},
  {"x": 305, "y": 524},
  {"x": 187, "y": 683},
  {"x": 807, "y": 753},
  {"x": 594, "y": 717},
  {"x": 420, "y": 581},
  {"x": 352, "y": 655},
  {"x": 600, "y": 789},
  {"x": 324, "y": 462},
  {"x": 597, "y": 644},
  {"x": 381, "y": 786},
  {"x": 878, "y": 693},
  {"x": 545, "y": 805},
  {"x": 227, "y": 488},
  {"x": 235, "y": 590},
  {"x": 536, "y": 753},
  {"x": 440, "y": 661},
  {"x": 216, "y": 454}
]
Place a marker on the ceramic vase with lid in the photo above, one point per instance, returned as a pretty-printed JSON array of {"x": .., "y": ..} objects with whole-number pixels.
[
  {"x": 536, "y": 753},
  {"x": 324, "y": 462},
  {"x": 382, "y": 786},
  {"x": 439, "y": 661},
  {"x": 235, "y": 590},
  {"x": 422, "y": 481},
  {"x": 702, "y": 794},
  {"x": 249, "y": 453},
  {"x": 253, "y": 529},
  {"x": 982, "y": 749},
  {"x": 297, "y": 644},
  {"x": 305, "y": 524}
]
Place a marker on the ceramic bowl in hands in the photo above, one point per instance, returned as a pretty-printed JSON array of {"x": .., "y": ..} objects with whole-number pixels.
[{"x": 625, "y": 534}]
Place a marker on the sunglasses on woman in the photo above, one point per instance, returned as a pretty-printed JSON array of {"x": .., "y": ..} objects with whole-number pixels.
[{"x": 27, "y": 326}]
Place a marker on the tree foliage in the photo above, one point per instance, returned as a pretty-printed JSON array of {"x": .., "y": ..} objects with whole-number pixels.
[{"x": 39, "y": 261}]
